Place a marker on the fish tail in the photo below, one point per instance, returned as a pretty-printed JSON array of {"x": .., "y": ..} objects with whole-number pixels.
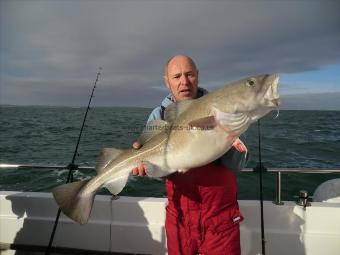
[{"x": 72, "y": 202}]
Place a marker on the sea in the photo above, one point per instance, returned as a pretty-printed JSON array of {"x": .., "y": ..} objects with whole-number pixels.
[{"x": 48, "y": 136}]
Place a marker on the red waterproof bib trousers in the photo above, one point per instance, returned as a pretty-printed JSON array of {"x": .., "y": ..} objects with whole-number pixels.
[{"x": 202, "y": 215}]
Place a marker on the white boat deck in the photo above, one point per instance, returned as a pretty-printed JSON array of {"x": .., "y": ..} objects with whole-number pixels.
[{"x": 135, "y": 225}]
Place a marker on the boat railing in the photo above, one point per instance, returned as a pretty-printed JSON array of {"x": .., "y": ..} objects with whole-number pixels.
[
  {"x": 277, "y": 171},
  {"x": 280, "y": 171}
]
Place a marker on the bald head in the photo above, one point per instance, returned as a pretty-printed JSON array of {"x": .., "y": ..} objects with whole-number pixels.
[
  {"x": 181, "y": 77},
  {"x": 179, "y": 58}
]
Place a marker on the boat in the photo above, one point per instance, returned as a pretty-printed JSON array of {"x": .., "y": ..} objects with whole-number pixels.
[{"x": 135, "y": 225}]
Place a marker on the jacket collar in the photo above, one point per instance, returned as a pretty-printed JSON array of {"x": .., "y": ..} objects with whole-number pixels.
[{"x": 168, "y": 99}]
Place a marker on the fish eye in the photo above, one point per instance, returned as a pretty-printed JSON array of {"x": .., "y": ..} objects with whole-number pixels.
[{"x": 251, "y": 82}]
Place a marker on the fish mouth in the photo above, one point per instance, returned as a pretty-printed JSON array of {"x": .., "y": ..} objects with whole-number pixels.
[{"x": 272, "y": 97}]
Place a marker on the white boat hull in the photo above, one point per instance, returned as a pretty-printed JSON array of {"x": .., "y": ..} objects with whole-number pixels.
[{"x": 136, "y": 225}]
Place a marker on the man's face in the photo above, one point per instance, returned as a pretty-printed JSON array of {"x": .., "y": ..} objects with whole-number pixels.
[{"x": 181, "y": 78}]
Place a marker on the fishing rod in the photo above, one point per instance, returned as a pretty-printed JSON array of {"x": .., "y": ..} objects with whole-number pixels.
[
  {"x": 259, "y": 168},
  {"x": 72, "y": 166}
]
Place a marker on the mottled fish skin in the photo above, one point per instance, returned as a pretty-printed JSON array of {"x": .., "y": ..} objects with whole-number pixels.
[{"x": 197, "y": 132}]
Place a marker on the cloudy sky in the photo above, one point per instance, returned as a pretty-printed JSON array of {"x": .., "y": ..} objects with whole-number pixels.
[{"x": 50, "y": 51}]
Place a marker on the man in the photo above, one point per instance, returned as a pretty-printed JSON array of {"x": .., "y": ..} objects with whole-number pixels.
[{"x": 202, "y": 215}]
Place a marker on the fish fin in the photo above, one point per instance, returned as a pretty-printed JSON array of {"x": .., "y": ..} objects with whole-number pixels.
[
  {"x": 151, "y": 129},
  {"x": 175, "y": 109},
  {"x": 235, "y": 122},
  {"x": 116, "y": 185},
  {"x": 105, "y": 157},
  {"x": 203, "y": 123},
  {"x": 155, "y": 171},
  {"x": 76, "y": 206}
]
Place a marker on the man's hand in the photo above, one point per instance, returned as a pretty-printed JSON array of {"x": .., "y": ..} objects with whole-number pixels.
[
  {"x": 140, "y": 170},
  {"x": 239, "y": 146},
  {"x": 136, "y": 145}
]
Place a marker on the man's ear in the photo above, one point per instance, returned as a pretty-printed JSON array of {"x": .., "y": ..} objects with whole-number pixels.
[{"x": 166, "y": 81}]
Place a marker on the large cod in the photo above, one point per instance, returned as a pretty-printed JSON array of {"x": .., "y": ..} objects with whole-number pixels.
[{"x": 194, "y": 133}]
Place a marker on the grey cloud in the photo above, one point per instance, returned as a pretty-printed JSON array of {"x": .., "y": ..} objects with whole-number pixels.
[{"x": 62, "y": 44}]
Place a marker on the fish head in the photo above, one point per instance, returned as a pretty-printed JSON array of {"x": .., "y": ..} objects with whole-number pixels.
[{"x": 255, "y": 96}]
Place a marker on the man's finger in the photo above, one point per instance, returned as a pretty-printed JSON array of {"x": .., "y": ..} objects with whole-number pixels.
[
  {"x": 135, "y": 171},
  {"x": 136, "y": 145},
  {"x": 242, "y": 148},
  {"x": 141, "y": 170},
  {"x": 239, "y": 146}
]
